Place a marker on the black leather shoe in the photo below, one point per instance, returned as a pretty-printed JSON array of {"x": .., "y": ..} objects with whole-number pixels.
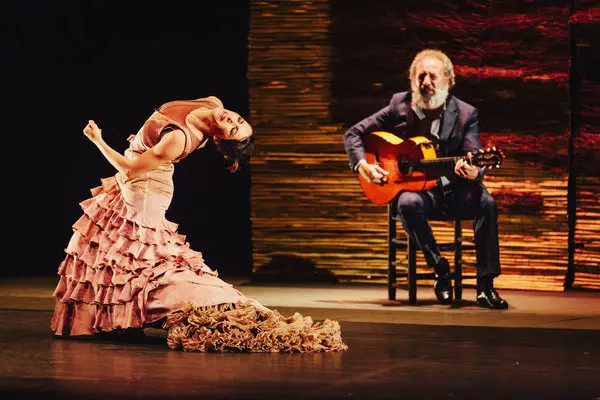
[
  {"x": 443, "y": 289},
  {"x": 490, "y": 298}
]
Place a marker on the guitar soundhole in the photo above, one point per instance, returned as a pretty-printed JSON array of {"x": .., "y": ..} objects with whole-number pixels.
[{"x": 404, "y": 167}]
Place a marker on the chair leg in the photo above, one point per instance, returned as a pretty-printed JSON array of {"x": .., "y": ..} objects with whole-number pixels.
[
  {"x": 412, "y": 271},
  {"x": 391, "y": 256},
  {"x": 458, "y": 259}
]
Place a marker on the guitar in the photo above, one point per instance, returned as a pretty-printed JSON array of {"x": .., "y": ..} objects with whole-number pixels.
[{"x": 412, "y": 164}]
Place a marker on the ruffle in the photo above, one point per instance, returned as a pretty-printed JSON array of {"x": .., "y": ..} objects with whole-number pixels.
[
  {"x": 77, "y": 318},
  {"x": 114, "y": 223},
  {"x": 108, "y": 198},
  {"x": 113, "y": 262},
  {"x": 113, "y": 246},
  {"x": 247, "y": 327}
]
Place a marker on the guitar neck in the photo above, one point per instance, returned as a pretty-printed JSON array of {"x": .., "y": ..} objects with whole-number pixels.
[{"x": 436, "y": 166}]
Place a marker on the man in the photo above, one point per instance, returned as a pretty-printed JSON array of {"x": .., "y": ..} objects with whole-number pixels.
[{"x": 428, "y": 110}]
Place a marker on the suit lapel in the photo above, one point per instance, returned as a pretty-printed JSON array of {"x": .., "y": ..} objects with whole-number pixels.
[
  {"x": 406, "y": 115},
  {"x": 410, "y": 121},
  {"x": 449, "y": 119}
]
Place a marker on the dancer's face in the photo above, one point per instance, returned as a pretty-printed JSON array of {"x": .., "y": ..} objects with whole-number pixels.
[{"x": 229, "y": 125}]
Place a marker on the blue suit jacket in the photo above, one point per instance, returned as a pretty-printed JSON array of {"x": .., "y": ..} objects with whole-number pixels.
[{"x": 459, "y": 129}]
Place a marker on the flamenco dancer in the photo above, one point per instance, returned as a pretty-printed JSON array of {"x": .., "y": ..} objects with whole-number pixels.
[{"x": 127, "y": 268}]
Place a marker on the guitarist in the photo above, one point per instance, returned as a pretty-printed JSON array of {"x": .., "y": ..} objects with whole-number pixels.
[{"x": 452, "y": 125}]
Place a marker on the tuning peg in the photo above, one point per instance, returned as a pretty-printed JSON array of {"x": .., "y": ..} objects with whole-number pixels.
[
  {"x": 488, "y": 149},
  {"x": 481, "y": 150},
  {"x": 494, "y": 148},
  {"x": 497, "y": 165}
]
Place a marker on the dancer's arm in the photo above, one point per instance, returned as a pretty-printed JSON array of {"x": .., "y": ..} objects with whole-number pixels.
[{"x": 168, "y": 149}]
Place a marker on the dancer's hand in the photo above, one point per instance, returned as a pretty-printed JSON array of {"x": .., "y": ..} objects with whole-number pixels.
[{"x": 92, "y": 131}]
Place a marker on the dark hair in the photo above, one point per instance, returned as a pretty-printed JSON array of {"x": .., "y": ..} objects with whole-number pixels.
[{"x": 236, "y": 151}]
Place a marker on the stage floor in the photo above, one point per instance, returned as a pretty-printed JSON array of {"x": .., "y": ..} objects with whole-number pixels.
[{"x": 545, "y": 346}]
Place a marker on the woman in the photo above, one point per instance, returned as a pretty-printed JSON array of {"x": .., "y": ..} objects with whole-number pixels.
[{"x": 127, "y": 267}]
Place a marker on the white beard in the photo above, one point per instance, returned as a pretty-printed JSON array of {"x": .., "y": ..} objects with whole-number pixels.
[{"x": 426, "y": 102}]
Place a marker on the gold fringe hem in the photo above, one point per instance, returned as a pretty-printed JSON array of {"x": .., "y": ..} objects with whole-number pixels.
[{"x": 246, "y": 327}]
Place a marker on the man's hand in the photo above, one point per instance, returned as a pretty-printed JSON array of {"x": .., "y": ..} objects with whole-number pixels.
[
  {"x": 373, "y": 173},
  {"x": 465, "y": 170}
]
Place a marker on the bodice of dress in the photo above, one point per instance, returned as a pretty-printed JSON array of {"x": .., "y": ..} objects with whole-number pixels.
[
  {"x": 177, "y": 114},
  {"x": 151, "y": 194}
]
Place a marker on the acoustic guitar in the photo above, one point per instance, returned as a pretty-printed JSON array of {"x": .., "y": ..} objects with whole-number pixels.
[{"x": 412, "y": 164}]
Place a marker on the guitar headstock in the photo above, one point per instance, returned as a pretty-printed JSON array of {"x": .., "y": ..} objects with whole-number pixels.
[{"x": 488, "y": 158}]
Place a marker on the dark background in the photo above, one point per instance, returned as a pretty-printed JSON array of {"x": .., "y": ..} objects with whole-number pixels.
[{"x": 115, "y": 62}]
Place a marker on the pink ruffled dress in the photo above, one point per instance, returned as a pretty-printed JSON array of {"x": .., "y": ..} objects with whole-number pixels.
[{"x": 127, "y": 267}]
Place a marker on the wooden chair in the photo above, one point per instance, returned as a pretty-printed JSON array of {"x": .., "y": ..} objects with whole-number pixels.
[{"x": 410, "y": 268}]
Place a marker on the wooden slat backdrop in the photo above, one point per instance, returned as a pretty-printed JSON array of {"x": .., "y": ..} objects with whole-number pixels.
[
  {"x": 298, "y": 171},
  {"x": 316, "y": 67},
  {"x": 586, "y": 24}
]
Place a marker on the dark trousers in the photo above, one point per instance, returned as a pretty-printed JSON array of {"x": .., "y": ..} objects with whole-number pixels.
[{"x": 462, "y": 199}]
